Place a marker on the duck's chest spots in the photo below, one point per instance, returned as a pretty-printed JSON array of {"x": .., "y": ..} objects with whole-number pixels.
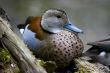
[{"x": 66, "y": 46}]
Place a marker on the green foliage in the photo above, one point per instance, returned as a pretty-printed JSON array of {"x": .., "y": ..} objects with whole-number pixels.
[
  {"x": 4, "y": 56},
  {"x": 50, "y": 66}
]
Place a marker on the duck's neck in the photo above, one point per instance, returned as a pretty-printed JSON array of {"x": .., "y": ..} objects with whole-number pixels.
[{"x": 35, "y": 27}]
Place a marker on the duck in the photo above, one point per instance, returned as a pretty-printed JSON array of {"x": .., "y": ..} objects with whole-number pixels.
[
  {"x": 52, "y": 37},
  {"x": 100, "y": 51}
]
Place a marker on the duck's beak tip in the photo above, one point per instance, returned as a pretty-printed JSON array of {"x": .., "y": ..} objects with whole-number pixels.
[
  {"x": 73, "y": 28},
  {"x": 82, "y": 32}
]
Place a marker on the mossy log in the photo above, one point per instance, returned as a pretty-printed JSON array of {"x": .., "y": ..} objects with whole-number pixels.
[{"x": 85, "y": 65}]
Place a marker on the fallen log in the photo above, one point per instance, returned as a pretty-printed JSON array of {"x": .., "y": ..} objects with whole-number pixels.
[{"x": 19, "y": 51}]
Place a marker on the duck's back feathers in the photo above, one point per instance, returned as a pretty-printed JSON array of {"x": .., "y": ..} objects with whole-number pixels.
[
  {"x": 105, "y": 44},
  {"x": 30, "y": 40}
]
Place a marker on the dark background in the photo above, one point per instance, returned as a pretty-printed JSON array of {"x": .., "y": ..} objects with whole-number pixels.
[{"x": 92, "y": 16}]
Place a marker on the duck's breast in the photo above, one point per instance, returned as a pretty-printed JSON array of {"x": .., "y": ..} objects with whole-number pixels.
[{"x": 62, "y": 47}]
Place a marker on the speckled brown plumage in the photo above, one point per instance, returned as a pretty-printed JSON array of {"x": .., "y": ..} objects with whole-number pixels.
[{"x": 61, "y": 48}]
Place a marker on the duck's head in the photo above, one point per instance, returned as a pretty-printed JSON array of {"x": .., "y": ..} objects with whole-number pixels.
[{"x": 55, "y": 20}]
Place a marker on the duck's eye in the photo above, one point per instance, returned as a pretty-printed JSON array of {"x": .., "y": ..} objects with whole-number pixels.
[{"x": 58, "y": 16}]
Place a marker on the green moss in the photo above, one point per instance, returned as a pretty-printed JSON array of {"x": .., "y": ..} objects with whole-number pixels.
[
  {"x": 49, "y": 66},
  {"x": 4, "y": 56}
]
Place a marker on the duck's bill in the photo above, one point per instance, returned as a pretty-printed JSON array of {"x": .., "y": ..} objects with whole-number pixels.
[{"x": 73, "y": 28}]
